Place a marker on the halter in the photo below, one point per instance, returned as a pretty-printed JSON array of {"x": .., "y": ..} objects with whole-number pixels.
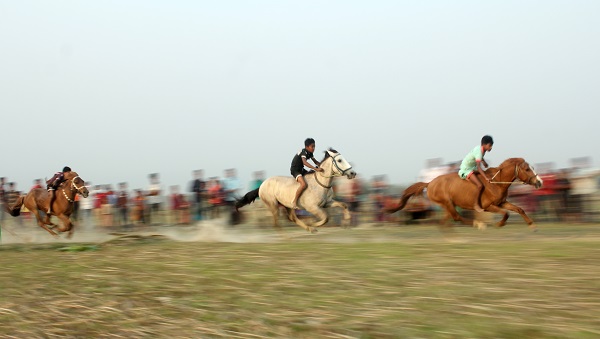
[
  {"x": 78, "y": 189},
  {"x": 516, "y": 177},
  {"x": 341, "y": 172}
]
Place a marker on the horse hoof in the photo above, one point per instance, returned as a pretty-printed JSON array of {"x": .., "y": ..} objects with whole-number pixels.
[{"x": 312, "y": 230}]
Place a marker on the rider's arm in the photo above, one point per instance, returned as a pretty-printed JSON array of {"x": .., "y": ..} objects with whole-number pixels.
[
  {"x": 307, "y": 164},
  {"x": 481, "y": 171}
]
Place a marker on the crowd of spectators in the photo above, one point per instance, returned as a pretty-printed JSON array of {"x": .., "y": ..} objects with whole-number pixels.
[{"x": 568, "y": 195}]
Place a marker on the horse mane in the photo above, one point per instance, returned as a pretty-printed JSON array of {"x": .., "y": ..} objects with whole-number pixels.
[
  {"x": 327, "y": 153},
  {"x": 511, "y": 162},
  {"x": 70, "y": 175}
]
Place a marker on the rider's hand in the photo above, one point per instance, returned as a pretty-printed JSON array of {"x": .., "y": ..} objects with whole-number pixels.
[{"x": 319, "y": 169}]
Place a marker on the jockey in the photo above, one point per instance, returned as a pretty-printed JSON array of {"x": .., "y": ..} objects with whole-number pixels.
[
  {"x": 297, "y": 168},
  {"x": 473, "y": 162},
  {"x": 52, "y": 184}
]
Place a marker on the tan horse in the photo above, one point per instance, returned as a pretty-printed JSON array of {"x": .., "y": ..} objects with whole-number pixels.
[
  {"x": 279, "y": 190},
  {"x": 38, "y": 199},
  {"x": 450, "y": 191}
]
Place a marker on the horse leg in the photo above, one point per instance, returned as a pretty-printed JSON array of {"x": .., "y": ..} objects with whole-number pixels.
[
  {"x": 68, "y": 225},
  {"x": 345, "y": 210},
  {"x": 41, "y": 223},
  {"x": 295, "y": 219},
  {"x": 507, "y": 205},
  {"x": 274, "y": 208},
  {"x": 320, "y": 214},
  {"x": 291, "y": 214},
  {"x": 498, "y": 210},
  {"x": 451, "y": 209}
]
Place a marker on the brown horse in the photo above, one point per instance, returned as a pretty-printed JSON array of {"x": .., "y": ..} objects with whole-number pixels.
[
  {"x": 450, "y": 191},
  {"x": 38, "y": 199}
]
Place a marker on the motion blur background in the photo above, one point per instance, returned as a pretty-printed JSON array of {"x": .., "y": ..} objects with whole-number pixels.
[{"x": 120, "y": 90}]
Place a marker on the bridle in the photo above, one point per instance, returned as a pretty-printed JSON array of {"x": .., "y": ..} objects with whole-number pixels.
[
  {"x": 77, "y": 189},
  {"x": 528, "y": 182},
  {"x": 339, "y": 174}
]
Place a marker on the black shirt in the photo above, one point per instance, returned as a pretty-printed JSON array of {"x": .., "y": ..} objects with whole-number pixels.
[{"x": 297, "y": 163}]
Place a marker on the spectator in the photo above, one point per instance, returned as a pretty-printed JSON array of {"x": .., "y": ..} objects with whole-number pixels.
[
  {"x": 98, "y": 195},
  {"x": 87, "y": 206},
  {"x": 154, "y": 198},
  {"x": 378, "y": 196},
  {"x": 37, "y": 183},
  {"x": 106, "y": 207},
  {"x": 354, "y": 200},
  {"x": 179, "y": 206},
  {"x": 259, "y": 177},
  {"x": 122, "y": 205},
  {"x": 215, "y": 196},
  {"x": 138, "y": 210},
  {"x": 11, "y": 197},
  {"x": 198, "y": 188},
  {"x": 546, "y": 198},
  {"x": 2, "y": 199},
  {"x": 231, "y": 185}
]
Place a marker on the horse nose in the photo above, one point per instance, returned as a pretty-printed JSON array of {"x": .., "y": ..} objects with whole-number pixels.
[{"x": 351, "y": 175}]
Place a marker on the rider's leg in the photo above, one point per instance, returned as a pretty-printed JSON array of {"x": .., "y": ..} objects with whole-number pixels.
[
  {"x": 474, "y": 179},
  {"x": 299, "y": 191},
  {"x": 51, "y": 192}
]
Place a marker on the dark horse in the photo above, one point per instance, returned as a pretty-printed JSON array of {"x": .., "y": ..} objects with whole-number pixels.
[
  {"x": 450, "y": 191},
  {"x": 38, "y": 199}
]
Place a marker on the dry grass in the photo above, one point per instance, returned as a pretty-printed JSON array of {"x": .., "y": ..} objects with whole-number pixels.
[{"x": 379, "y": 282}]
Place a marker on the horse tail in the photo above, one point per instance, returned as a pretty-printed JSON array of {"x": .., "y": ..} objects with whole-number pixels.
[
  {"x": 248, "y": 198},
  {"x": 412, "y": 190},
  {"x": 15, "y": 209}
]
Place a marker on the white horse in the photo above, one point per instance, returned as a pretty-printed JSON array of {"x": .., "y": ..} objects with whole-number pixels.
[{"x": 318, "y": 194}]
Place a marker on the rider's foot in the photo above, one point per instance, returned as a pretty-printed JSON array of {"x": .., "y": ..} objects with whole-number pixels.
[{"x": 478, "y": 208}]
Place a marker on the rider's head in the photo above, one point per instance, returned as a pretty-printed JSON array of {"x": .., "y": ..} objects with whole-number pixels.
[
  {"x": 487, "y": 142},
  {"x": 309, "y": 144},
  {"x": 66, "y": 169}
]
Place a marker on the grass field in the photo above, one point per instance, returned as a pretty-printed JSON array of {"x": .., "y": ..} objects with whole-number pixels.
[{"x": 366, "y": 282}]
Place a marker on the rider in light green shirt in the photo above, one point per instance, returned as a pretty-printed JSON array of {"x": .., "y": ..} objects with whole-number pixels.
[{"x": 472, "y": 163}]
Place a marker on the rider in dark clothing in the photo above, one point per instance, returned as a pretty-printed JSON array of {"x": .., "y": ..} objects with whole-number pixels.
[{"x": 53, "y": 183}]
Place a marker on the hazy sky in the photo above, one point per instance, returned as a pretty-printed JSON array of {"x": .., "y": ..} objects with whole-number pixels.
[{"x": 120, "y": 89}]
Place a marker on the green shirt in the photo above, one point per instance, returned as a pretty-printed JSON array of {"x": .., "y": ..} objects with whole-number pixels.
[{"x": 470, "y": 162}]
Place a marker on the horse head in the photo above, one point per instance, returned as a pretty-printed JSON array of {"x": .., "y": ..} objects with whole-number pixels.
[
  {"x": 526, "y": 174},
  {"x": 77, "y": 183},
  {"x": 340, "y": 166}
]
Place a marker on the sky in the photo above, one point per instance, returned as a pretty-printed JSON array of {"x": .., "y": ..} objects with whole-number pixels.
[{"x": 120, "y": 89}]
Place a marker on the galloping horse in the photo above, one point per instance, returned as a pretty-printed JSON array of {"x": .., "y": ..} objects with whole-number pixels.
[
  {"x": 38, "y": 199},
  {"x": 317, "y": 195},
  {"x": 450, "y": 191}
]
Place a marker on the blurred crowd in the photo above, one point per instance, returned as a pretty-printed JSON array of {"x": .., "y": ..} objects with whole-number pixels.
[{"x": 568, "y": 195}]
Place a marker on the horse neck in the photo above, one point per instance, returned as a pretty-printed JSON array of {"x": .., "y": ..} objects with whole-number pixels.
[
  {"x": 325, "y": 177},
  {"x": 505, "y": 173},
  {"x": 67, "y": 188}
]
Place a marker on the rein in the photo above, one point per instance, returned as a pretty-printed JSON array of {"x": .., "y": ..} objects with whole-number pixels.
[
  {"x": 332, "y": 175},
  {"x": 509, "y": 182}
]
